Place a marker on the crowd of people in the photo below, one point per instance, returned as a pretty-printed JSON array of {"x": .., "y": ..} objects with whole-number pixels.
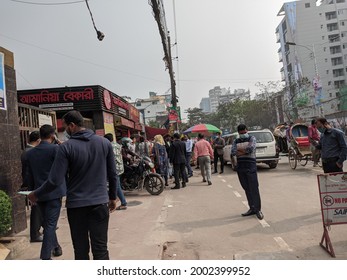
[{"x": 87, "y": 170}]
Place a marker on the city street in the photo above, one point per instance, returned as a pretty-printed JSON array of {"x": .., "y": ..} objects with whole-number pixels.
[{"x": 204, "y": 222}]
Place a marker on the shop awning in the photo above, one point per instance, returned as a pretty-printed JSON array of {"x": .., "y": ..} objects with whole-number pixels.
[{"x": 152, "y": 131}]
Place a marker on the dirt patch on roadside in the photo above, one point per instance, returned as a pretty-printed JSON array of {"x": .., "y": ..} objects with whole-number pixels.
[{"x": 174, "y": 250}]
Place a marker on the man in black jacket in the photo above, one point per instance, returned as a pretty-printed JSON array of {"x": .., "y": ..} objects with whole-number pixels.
[
  {"x": 36, "y": 219},
  {"x": 88, "y": 160},
  {"x": 177, "y": 157},
  {"x": 218, "y": 145},
  {"x": 39, "y": 161}
]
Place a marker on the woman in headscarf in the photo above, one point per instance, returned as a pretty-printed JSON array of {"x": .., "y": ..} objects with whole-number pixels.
[{"x": 160, "y": 157}]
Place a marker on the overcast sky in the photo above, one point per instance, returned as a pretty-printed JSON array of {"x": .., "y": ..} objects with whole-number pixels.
[{"x": 227, "y": 43}]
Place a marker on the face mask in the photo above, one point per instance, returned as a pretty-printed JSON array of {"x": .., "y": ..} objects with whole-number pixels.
[
  {"x": 322, "y": 129},
  {"x": 67, "y": 135},
  {"x": 243, "y": 136}
]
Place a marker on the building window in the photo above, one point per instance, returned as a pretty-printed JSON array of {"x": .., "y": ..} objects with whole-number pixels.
[
  {"x": 342, "y": 23},
  {"x": 340, "y": 1},
  {"x": 332, "y": 26},
  {"x": 336, "y": 61},
  {"x": 330, "y": 15},
  {"x": 330, "y": 94},
  {"x": 321, "y": 27},
  {"x": 329, "y": 83},
  {"x": 338, "y": 73},
  {"x": 307, "y": 5},
  {"x": 327, "y": 72},
  {"x": 326, "y": 60},
  {"x": 335, "y": 49}
]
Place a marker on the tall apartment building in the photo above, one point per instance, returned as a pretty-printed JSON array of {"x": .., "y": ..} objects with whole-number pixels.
[
  {"x": 205, "y": 105},
  {"x": 219, "y": 95},
  {"x": 214, "y": 95},
  {"x": 315, "y": 60}
]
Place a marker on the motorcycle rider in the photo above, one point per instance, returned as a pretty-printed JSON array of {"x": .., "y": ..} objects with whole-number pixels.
[{"x": 128, "y": 155}]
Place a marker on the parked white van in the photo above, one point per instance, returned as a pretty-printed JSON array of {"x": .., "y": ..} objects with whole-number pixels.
[{"x": 266, "y": 152}]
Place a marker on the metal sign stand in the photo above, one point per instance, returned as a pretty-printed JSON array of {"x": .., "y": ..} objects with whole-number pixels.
[
  {"x": 326, "y": 243},
  {"x": 333, "y": 198}
]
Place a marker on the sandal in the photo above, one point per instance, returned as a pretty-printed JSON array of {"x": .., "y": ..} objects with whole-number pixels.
[{"x": 121, "y": 207}]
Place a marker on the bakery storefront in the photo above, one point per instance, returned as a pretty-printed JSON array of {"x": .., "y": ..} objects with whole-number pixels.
[{"x": 103, "y": 111}]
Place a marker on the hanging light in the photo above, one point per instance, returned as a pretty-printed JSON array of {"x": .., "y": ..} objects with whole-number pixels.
[{"x": 99, "y": 34}]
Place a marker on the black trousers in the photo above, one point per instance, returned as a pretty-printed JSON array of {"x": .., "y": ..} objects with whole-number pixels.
[
  {"x": 247, "y": 173},
  {"x": 90, "y": 222},
  {"x": 36, "y": 222},
  {"x": 329, "y": 165},
  {"x": 180, "y": 169},
  {"x": 216, "y": 157}
]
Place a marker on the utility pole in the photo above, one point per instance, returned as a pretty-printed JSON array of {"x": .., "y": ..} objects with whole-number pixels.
[{"x": 172, "y": 75}]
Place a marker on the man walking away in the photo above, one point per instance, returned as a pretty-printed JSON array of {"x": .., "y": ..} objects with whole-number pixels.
[
  {"x": 244, "y": 149},
  {"x": 189, "y": 147},
  {"x": 218, "y": 145},
  {"x": 332, "y": 145},
  {"x": 117, "y": 151},
  {"x": 36, "y": 219},
  {"x": 178, "y": 159},
  {"x": 88, "y": 160},
  {"x": 204, "y": 154},
  {"x": 40, "y": 160}
]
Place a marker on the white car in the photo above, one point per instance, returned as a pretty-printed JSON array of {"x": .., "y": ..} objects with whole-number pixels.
[{"x": 266, "y": 152}]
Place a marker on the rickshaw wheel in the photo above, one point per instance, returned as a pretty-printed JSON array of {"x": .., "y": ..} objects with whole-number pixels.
[
  {"x": 292, "y": 158},
  {"x": 303, "y": 160}
]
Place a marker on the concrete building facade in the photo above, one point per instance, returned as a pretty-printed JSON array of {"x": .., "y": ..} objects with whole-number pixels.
[
  {"x": 219, "y": 95},
  {"x": 205, "y": 105},
  {"x": 154, "y": 108},
  {"x": 313, "y": 49}
]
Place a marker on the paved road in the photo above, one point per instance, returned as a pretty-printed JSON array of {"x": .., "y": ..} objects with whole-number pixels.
[{"x": 204, "y": 222}]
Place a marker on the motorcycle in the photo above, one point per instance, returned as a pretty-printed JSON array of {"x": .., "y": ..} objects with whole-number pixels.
[{"x": 139, "y": 176}]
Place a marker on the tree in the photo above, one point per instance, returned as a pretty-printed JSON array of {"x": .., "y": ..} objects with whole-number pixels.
[
  {"x": 196, "y": 116},
  {"x": 153, "y": 123}
]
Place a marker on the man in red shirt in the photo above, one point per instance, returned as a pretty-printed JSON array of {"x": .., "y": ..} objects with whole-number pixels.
[
  {"x": 313, "y": 136},
  {"x": 204, "y": 153}
]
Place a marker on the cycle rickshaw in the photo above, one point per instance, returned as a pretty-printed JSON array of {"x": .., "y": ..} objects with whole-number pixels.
[{"x": 299, "y": 150}]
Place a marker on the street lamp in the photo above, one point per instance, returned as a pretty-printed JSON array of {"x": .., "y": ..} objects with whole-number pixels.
[
  {"x": 311, "y": 50},
  {"x": 315, "y": 64}
]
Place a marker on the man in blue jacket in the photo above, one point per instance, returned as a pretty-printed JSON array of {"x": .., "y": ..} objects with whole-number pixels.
[
  {"x": 332, "y": 145},
  {"x": 88, "y": 160},
  {"x": 39, "y": 161},
  {"x": 244, "y": 149}
]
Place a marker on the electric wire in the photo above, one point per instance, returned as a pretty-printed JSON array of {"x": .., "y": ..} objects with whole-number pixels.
[
  {"x": 91, "y": 15},
  {"x": 83, "y": 60},
  {"x": 25, "y": 79},
  {"x": 48, "y": 4},
  {"x": 176, "y": 45}
]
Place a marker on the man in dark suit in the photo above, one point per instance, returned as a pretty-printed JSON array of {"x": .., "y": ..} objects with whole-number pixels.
[
  {"x": 218, "y": 145},
  {"x": 35, "y": 214},
  {"x": 177, "y": 157},
  {"x": 40, "y": 160}
]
